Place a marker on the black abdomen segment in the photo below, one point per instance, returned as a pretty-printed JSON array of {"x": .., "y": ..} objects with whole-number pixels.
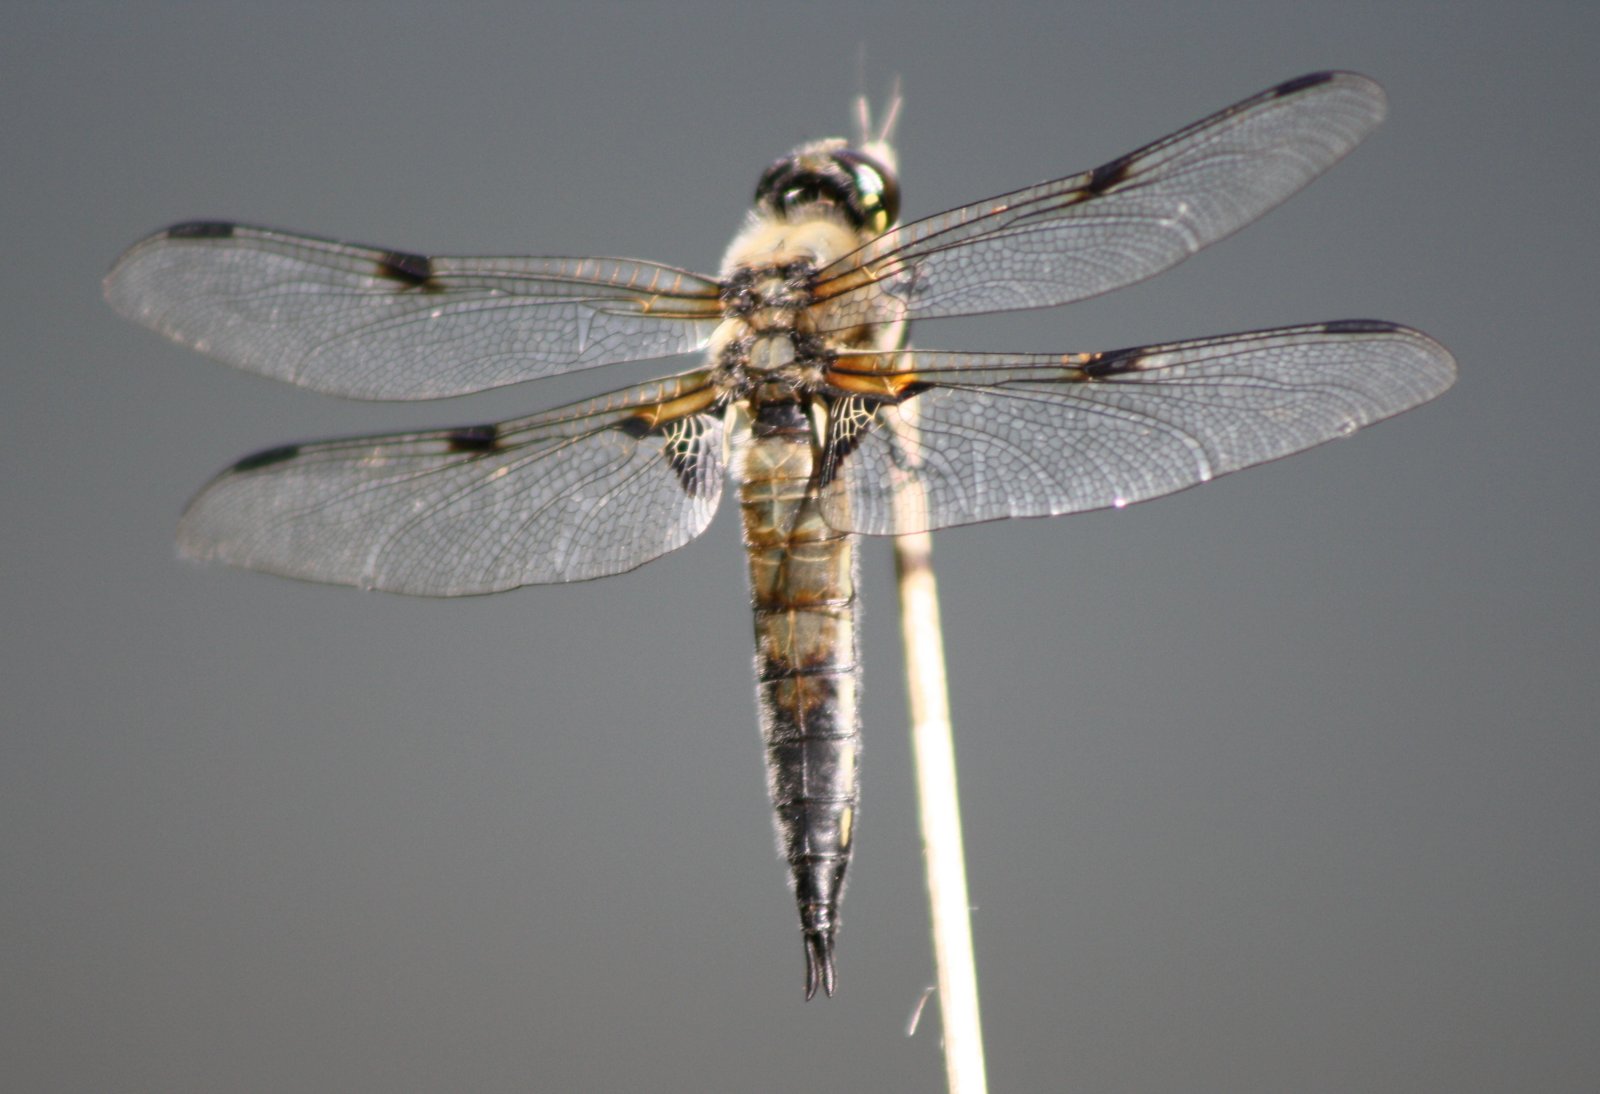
[{"x": 802, "y": 578}]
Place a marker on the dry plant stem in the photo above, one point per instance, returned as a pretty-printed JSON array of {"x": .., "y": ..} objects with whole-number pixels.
[{"x": 933, "y": 751}]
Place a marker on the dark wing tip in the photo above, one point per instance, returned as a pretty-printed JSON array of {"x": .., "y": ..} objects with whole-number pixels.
[
  {"x": 266, "y": 458},
  {"x": 1352, "y": 83},
  {"x": 201, "y": 229},
  {"x": 1300, "y": 83},
  {"x": 819, "y": 963},
  {"x": 1362, "y": 326}
]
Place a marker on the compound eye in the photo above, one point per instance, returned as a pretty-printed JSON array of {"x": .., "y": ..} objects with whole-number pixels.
[
  {"x": 771, "y": 179},
  {"x": 877, "y": 186}
]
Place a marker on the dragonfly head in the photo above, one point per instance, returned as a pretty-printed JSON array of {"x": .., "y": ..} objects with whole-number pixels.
[{"x": 833, "y": 176}]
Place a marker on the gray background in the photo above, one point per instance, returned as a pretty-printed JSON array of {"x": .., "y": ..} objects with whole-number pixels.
[{"x": 1286, "y": 783}]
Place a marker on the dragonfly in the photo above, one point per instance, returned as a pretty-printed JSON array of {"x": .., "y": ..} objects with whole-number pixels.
[{"x": 806, "y": 396}]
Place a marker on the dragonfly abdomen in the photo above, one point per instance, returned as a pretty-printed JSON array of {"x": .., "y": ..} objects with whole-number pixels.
[{"x": 802, "y": 587}]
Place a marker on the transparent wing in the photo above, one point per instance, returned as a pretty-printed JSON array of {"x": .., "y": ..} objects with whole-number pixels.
[
  {"x": 592, "y": 489},
  {"x": 374, "y": 324},
  {"x": 927, "y": 440},
  {"x": 1119, "y": 223}
]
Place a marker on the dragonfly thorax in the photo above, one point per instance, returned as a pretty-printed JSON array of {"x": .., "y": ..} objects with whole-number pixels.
[
  {"x": 766, "y": 365},
  {"x": 772, "y": 296},
  {"x": 769, "y": 334}
]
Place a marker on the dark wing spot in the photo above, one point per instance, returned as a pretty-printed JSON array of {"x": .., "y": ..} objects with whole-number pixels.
[
  {"x": 687, "y": 453},
  {"x": 1113, "y": 363},
  {"x": 637, "y": 428},
  {"x": 1300, "y": 83},
  {"x": 411, "y": 270},
  {"x": 683, "y": 444},
  {"x": 201, "y": 229},
  {"x": 849, "y": 418},
  {"x": 474, "y": 438},
  {"x": 267, "y": 457},
  {"x": 1108, "y": 175},
  {"x": 1361, "y": 326}
]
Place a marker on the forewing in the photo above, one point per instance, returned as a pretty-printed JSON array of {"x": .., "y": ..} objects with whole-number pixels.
[
  {"x": 373, "y": 324},
  {"x": 588, "y": 490},
  {"x": 1117, "y": 224},
  {"x": 926, "y": 440}
]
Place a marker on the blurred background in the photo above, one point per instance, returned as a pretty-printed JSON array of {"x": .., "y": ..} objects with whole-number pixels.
[{"x": 1285, "y": 783}]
